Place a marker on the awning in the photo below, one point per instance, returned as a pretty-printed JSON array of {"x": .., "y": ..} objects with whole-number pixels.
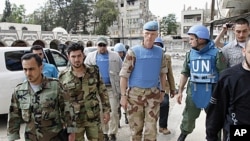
[{"x": 230, "y": 19}]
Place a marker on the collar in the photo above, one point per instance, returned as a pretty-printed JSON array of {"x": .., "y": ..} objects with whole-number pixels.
[
  {"x": 236, "y": 43},
  {"x": 71, "y": 69},
  {"x": 44, "y": 85}
]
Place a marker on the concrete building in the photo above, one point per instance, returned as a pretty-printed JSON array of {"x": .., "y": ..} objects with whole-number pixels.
[
  {"x": 19, "y": 26},
  {"x": 229, "y": 11},
  {"x": 190, "y": 17},
  {"x": 226, "y": 11},
  {"x": 128, "y": 27}
]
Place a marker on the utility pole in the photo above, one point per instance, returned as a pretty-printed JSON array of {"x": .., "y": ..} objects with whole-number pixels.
[
  {"x": 211, "y": 19},
  {"x": 122, "y": 33}
]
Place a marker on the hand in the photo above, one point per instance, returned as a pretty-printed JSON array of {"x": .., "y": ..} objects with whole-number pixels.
[
  {"x": 106, "y": 118},
  {"x": 72, "y": 137},
  {"x": 172, "y": 93},
  {"x": 224, "y": 26},
  {"x": 124, "y": 102},
  {"x": 179, "y": 98}
]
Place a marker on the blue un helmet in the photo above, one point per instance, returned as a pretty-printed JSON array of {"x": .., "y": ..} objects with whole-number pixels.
[
  {"x": 119, "y": 47},
  {"x": 159, "y": 40},
  {"x": 200, "y": 31}
]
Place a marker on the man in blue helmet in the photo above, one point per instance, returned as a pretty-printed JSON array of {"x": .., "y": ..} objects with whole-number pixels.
[
  {"x": 121, "y": 50},
  {"x": 170, "y": 90},
  {"x": 141, "y": 94},
  {"x": 202, "y": 66}
]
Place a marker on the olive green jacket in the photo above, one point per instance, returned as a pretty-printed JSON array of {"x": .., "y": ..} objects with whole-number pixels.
[
  {"x": 85, "y": 95},
  {"x": 43, "y": 112}
]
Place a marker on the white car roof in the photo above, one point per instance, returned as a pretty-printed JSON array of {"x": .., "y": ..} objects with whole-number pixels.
[{"x": 14, "y": 48}]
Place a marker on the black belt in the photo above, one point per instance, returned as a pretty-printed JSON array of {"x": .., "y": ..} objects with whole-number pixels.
[{"x": 108, "y": 85}]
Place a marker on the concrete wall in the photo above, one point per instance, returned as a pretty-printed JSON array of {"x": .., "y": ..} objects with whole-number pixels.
[{"x": 45, "y": 38}]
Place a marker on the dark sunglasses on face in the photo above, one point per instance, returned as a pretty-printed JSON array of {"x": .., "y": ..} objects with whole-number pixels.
[{"x": 102, "y": 45}]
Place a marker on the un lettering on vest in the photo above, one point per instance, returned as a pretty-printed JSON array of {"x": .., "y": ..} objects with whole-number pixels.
[
  {"x": 202, "y": 71},
  {"x": 201, "y": 66}
]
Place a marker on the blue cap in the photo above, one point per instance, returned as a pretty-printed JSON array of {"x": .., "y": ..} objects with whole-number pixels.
[{"x": 151, "y": 26}]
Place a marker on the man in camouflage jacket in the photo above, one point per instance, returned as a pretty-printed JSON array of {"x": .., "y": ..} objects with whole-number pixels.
[
  {"x": 88, "y": 97},
  {"x": 39, "y": 103}
]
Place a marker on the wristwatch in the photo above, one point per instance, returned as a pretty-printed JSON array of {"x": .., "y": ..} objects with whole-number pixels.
[
  {"x": 123, "y": 94},
  {"x": 163, "y": 91}
]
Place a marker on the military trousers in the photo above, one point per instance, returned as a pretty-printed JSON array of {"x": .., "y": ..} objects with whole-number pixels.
[
  {"x": 92, "y": 133},
  {"x": 190, "y": 114},
  {"x": 112, "y": 126},
  {"x": 143, "y": 112},
  {"x": 164, "y": 110}
]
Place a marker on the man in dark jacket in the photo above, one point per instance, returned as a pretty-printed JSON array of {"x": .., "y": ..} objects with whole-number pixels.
[{"x": 229, "y": 105}]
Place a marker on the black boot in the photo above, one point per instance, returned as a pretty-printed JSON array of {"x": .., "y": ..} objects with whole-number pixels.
[
  {"x": 112, "y": 137},
  {"x": 119, "y": 125},
  {"x": 105, "y": 137},
  {"x": 182, "y": 137}
]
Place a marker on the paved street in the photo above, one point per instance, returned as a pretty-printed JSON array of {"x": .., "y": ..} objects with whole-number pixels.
[
  {"x": 124, "y": 133},
  {"x": 175, "y": 117}
]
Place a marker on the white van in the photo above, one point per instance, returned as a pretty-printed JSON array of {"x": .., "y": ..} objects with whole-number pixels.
[
  {"x": 91, "y": 49},
  {"x": 11, "y": 71}
]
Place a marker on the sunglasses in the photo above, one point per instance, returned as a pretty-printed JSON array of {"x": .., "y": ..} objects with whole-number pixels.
[{"x": 102, "y": 45}]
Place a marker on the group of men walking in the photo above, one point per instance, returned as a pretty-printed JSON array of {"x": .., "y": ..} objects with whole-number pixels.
[{"x": 83, "y": 99}]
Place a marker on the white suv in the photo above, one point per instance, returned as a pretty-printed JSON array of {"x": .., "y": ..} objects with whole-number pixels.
[{"x": 11, "y": 71}]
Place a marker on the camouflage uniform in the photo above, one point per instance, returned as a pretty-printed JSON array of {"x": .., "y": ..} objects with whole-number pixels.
[
  {"x": 84, "y": 101},
  {"x": 143, "y": 103},
  {"x": 41, "y": 111},
  {"x": 170, "y": 84},
  {"x": 170, "y": 88}
]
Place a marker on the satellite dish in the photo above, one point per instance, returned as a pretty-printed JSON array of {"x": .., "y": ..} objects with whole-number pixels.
[{"x": 60, "y": 29}]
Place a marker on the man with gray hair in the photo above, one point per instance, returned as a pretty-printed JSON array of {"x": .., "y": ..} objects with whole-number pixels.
[{"x": 141, "y": 94}]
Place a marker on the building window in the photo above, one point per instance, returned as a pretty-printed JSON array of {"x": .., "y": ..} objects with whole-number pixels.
[
  {"x": 185, "y": 29},
  {"x": 198, "y": 18},
  {"x": 24, "y": 28},
  {"x": 192, "y": 18},
  {"x": 133, "y": 31},
  {"x": 12, "y": 28}
]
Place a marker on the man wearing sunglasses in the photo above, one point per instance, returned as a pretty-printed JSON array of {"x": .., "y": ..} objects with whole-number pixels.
[{"x": 109, "y": 63}]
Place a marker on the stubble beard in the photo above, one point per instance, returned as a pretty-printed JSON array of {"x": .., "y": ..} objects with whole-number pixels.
[{"x": 77, "y": 65}]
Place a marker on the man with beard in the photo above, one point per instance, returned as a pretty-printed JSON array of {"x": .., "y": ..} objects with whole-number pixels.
[
  {"x": 88, "y": 97},
  {"x": 109, "y": 63},
  {"x": 229, "y": 105},
  {"x": 233, "y": 50}
]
